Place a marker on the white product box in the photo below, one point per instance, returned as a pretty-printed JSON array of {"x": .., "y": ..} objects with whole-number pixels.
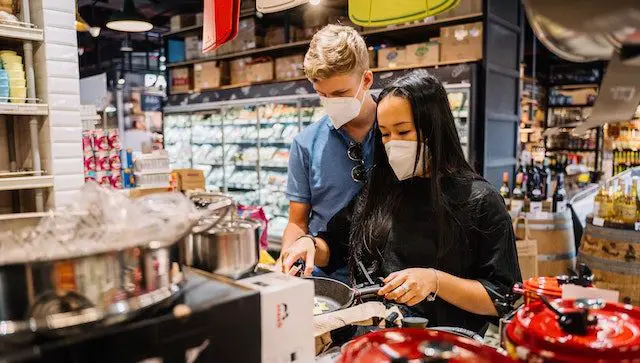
[{"x": 286, "y": 307}]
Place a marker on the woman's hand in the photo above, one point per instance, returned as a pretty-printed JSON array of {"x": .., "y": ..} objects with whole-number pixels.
[
  {"x": 303, "y": 248},
  {"x": 409, "y": 286}
]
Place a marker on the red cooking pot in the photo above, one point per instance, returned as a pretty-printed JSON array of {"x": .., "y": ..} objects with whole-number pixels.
[
  {"x": 574, "y": 331},
  {"x": 551, "y": 287},
  {"x": 408, "y": 344}
]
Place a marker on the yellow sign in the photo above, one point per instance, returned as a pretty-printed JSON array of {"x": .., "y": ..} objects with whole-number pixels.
[{"x": 370, "y": 13}]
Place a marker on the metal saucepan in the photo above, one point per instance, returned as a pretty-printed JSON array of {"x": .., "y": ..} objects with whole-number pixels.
[
  {"x": 54, "y": 297},
  {"x": 337, "y": 295},
  {"x": 59, "y": 296},
  {"x": 230, "y": 247}
]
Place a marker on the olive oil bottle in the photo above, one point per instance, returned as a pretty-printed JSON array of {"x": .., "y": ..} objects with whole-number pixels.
[
  {"x": 618, "y": 202},
  {"x": 629, "y": 207}
]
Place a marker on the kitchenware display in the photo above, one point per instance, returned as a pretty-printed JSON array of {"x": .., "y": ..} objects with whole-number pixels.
[
  {"x": 572, "y": 331},
  {"x": 100, "y": 260},
  {"x": 551, "y": 287},
  {"x": 229, "y": 247},
  {"x": 417, "y": 345}
]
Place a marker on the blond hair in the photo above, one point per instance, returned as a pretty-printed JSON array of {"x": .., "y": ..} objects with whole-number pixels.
[{"x": 335, "y": 50}]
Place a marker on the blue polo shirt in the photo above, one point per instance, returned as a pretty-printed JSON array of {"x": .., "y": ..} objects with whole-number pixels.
[{"x": 320, "y": 170}]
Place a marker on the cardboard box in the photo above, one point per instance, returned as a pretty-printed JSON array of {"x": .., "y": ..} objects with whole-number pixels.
[
  {"x": 181, "y": 80},
  {"x": 189, "y": 179},
  {"x": 206, "y": 75},
  {"x": 461, "y": 42},
  {"x": 391, "y": 57},
  {"x": 426, "y": 54},
  {"x": 239, "y": 70},
  {"x": 372, "y": 57},
  {"x": 192, "y": 47},
  {"x": 178, "y": 22},
  {"x": 260, "y": 72},
  {"x": 464, "y": 8},
  {"x": 246, "y": 39},
  {"x": 199, "y": 18},
  {"x": 175, "y": 50},
  {"x": 289, "y": 67}
]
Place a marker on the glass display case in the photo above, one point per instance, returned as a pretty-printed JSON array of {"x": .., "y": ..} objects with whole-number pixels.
[{"x": 243, "y": 146}]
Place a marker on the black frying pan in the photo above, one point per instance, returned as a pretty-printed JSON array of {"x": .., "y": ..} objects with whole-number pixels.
[{"x": 337, "y": 295}]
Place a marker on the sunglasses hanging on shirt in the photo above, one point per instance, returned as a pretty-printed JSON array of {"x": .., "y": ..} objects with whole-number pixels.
[{"x": 355, "y": 153}]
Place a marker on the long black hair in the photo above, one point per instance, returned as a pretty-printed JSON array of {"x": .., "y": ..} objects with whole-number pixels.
[{"x": 444, "y": 158}]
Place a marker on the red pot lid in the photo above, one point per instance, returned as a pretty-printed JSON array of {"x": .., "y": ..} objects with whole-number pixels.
[
  {"x": 547, "y": 286},
  {"x": 614, "y": 338},
  {"x": 385, "y": 345}
]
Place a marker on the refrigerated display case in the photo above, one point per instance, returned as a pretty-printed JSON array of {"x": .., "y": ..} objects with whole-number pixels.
[{"x": 242, "y": 146}]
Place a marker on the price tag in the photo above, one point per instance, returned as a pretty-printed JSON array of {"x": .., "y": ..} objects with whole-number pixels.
[
  {"x": 597, "y": 221},
  {"x": 638, "y": 226}
]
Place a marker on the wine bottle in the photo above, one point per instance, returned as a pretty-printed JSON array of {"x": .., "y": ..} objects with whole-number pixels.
[
  {"x": 504, "y": 189},
  {"x": 559, "y": 201},
  {"x": 535, "y": 194},
  {"x": 517, "y": 196}
]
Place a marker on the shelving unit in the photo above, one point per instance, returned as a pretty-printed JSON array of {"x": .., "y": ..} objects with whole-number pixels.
[
  {"x": 280, "y": 49},
  {"x": 41, "y": 165},
  {"x": 24, "y": 33}
]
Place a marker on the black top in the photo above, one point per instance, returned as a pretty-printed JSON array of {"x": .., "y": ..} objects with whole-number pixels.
[{"x": 489, "y": 257}]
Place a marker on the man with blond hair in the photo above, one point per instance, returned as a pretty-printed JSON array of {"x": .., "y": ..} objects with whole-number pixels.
[{"x": 329, "y": 160}]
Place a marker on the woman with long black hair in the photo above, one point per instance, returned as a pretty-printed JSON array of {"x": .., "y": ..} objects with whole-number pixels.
[{"x": 436, "y": 231}]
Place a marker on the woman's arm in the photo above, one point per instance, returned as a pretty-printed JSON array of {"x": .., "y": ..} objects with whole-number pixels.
[{"x": 412, "y": 285}]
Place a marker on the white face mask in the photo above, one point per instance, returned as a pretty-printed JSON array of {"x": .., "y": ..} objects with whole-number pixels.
[
  {"x": 342, "y": 109},
  {"x": 402, "y": 158}
]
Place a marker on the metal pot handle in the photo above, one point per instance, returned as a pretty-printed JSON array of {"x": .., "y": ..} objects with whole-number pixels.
[{"x": 226, "y": 203}]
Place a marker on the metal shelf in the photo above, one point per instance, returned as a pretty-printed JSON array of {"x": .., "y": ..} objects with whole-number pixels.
[
  {"x": 26, "y": 182},
  {"x": 24, "y": 109},
  {"x": 21, "y": 31}
]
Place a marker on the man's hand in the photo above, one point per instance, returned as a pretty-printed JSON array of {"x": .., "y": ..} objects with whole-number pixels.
[{"x": 303, "y": 248}]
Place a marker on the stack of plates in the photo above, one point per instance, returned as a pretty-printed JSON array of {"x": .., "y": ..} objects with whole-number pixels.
[{"x": 12, "y": 64}]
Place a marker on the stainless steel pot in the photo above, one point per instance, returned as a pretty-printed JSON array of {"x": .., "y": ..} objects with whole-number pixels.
[
  {"x": 229, "y": 248},
  {"x": 61, "y": 295}
]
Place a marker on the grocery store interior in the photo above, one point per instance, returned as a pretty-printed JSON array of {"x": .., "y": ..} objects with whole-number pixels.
[{"x": 150, "y": 181}]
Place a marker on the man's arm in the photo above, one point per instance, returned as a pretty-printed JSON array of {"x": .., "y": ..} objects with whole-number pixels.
[{"x": 298, "y": 224}]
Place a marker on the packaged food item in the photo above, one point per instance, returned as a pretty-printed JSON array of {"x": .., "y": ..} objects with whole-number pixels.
[
  {"x": 89, "y": 163},
  {"x": 128, "y": 179},
  {"x": 114, "y": 139},
  {"x": 87, "y": 144},
  {"x": 129, "y": 161},
  {"x": 391, "y": 57},
  {"x": 102, "y": 161},
  {"x": 100, "y": 140},
  {"x": 116, "y": 180},
  {"x": 103, "y": 178},
  {"x": 114, "y": 160},
  {"x": 90, "y": 176}
]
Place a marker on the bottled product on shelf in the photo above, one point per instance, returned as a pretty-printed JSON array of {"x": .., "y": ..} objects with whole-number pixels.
[
  {"x": 517, "y": 196},
  {"x": 559, "y": 196},
  {"x": 623, "y": 160},
  {"x": 618, "y": 203},
  {"x": 565, "y": 141},
  {"x": 504, "y": 189}
]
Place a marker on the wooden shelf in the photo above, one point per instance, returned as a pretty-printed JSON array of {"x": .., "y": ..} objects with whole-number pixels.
[
  {"x": 374, "y": 70},
  {"x": 569, "y": 106},
  {"x": 195, "y": 28},
  {"x": 304, "y": 43},
  {"x": 24, "y": 109},
  {"x": 25, "y": 182},
  {"x": 20, "y": 31},
  {"x": 571, "y": 150}
]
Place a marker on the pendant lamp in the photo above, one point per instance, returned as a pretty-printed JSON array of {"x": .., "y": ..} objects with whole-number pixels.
[{"x": 129, "y": 20}]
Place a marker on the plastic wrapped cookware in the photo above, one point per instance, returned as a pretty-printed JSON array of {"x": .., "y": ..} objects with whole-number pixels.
[
  {"x": 572, "y": 331},
  {"x": 417, "y": 345}
]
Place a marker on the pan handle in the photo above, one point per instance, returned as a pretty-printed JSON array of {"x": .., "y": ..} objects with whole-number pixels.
[{"x": 368, "y": 292}]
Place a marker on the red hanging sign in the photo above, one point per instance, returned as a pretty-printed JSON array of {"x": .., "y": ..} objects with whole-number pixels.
[{"x": 220, "y": 23}]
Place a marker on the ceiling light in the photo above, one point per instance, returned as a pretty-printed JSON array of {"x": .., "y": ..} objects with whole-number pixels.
[
  {"x": 129, "y": 20},
  {"x": 314, "y": 2},
  {"x": 95, "y": 31},
  {"x": 126, "y": 46}
]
